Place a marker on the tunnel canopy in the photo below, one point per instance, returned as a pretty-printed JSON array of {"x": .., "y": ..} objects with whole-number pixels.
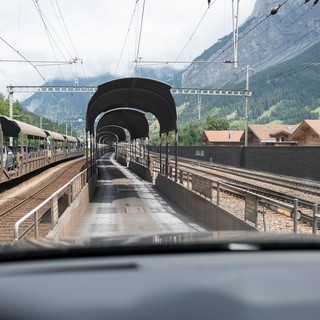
[
  {"x": 119, "y": 132},
  {"x": 143, "y": 94},
  {"x": 134, "y": 121},
  {"x": 107, "y": 137}
]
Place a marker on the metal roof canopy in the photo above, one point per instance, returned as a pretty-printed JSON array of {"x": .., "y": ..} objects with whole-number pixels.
[
  {"x": 119, "y": 132},
  {"x": 134, "y": 121},
  {"x": 139, "y": 93},
  {"x": 102, "y": 136},
  {"x": 12, "y": 128},
  {"x": 55, "y": 135},
  {"x": 110, "y": 136}
]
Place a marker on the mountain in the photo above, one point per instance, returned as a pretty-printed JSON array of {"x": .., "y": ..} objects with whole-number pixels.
[
  {"x": 58, "y": 106},
  {"x": 287, "y": 92},
  {"x": 264, "y": 41},
  {"x": 283, "y": 49}
]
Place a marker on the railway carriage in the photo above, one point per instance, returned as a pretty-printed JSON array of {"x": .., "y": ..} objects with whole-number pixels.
[{"x": 31, "y": 148}]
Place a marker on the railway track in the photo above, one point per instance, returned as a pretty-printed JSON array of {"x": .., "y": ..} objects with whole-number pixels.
[
  {"x": 13, "y": 209},
  {"x": 236, "y": 184},
  {"x": 309, "y": 188},
  {"x": 305, "y": 208}
]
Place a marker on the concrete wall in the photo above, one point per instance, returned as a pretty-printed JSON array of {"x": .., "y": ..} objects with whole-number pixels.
[
  {"x": 199, "y": 208},
  {"x": 74, "y": 213},
  {"x": 140, "y": 170},
  {"x": 71, "y": 216},
  {"x": 122, "y": 161}
]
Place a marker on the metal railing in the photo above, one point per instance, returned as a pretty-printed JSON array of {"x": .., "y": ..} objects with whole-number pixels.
[
  {"x": 184, "y": 178},
  {"x": 72, "y": 188}
]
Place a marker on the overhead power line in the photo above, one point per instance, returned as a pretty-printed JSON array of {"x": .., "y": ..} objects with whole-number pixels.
[
  {"x": 230, "y": 46},
  {"x": 275, "y": 37},
  {"x": 50, "y": 38},
  {"x": 24, "y": 58},
  {"x": 193, "y": 33},
  {"x": 140, "y": 34},
  {"x": 66, "y": 29},
  {"x": 126, "y": 37}
]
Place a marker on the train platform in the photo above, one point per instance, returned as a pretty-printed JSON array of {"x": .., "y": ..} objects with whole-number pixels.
[{"x": 124, "y": 204}]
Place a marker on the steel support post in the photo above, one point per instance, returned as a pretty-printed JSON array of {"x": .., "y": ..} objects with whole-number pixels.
[
  {"x": 11, "y": 113},
  {"x": 148, "y": 149},
  {"x": 176, "y": 155},
  {"x": 315, "y": 219},
  {"x": 295, "y": 215},
  {"x": 160, "y": 155},
  {"x": 167, "y": 154}
]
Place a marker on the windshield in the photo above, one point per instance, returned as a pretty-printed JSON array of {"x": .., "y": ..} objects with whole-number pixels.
[
  {"x": 159, "y": 123},
  {"x": 160, "y": 159}
]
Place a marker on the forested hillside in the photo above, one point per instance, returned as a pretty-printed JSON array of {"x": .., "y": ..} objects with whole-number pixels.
[{"x": 288, "y": 92}]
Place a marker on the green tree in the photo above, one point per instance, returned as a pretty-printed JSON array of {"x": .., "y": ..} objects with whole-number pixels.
[
  {"x": 237, "y": 125},
  {"x": 216, "y": 124},
  {"x": 4, "y": 106},
  {"x": 190, "y": 134}
]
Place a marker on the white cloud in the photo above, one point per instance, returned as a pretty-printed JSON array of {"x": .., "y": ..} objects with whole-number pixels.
[{"x": 98, "y": 29}]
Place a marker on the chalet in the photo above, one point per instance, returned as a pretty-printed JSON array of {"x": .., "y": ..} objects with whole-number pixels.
[
  {"x": 270, "y": 135},
  {"x": 223, "y": 138},
  {"x": 307, "y": 133}
]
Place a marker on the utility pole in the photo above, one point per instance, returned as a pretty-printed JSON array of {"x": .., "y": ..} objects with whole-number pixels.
[
  {"x": 235, "y": 15},
  {"x": 247, "y": 69},
  {"x": 199, "y": 108},
  {"x": 11, "y": 112}
]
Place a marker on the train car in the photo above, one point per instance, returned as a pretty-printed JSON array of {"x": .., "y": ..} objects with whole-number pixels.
[
  {"x": 25, "y": 148},
  {"x": 73, "y": 146}
]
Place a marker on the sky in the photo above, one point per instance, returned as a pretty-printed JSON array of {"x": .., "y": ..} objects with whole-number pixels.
[{"x": 97, "y": 34}]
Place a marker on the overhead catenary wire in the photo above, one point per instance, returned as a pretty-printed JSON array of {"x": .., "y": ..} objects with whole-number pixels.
[
  {"x": 229, "y": 46},
  {"x": 56, "y": 35},
  {"x": 126, "y": 37},
  {"x": 24, "y": 58},
  {"x": 192, "y": 34},
  {"x": 296, "y": 69},
  {"x": 50, "y": 38},
  {"x": 270, "y": 41},
  {"x": 50, "y": 30},
  {"x": 64, "y": 27},
  {"x": 290, "y": 71},
  {"x": 293, "y": 53},
  {"x": 140, "y": 35},
  {"x": 288, "y": 47}
]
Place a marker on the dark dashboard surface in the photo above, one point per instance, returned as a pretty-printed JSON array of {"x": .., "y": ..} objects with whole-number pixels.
[{"x": 220, "y": 285}]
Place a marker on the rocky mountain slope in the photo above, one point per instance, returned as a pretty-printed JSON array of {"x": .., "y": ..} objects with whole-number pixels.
[
  {"x": 264, "y": 41},
  {"x": 283, "y": 49}
]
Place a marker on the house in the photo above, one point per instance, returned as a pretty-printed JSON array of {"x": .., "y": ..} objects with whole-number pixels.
[
  {"x": 307, "y": 133},
  {"x": 270, "y": 135},
  {"x": 223, "y": 138}
]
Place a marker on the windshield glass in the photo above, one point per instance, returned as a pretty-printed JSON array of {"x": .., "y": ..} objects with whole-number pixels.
[{"x": 159, "y": 122}]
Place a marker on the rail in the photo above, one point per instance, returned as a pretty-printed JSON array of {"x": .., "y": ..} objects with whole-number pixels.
[
  {"x": 73, "y": 188},
  {"x": 204, "y": 186}
]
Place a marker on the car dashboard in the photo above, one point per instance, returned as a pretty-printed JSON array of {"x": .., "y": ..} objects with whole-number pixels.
[{"x": 195, "y": 285}]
